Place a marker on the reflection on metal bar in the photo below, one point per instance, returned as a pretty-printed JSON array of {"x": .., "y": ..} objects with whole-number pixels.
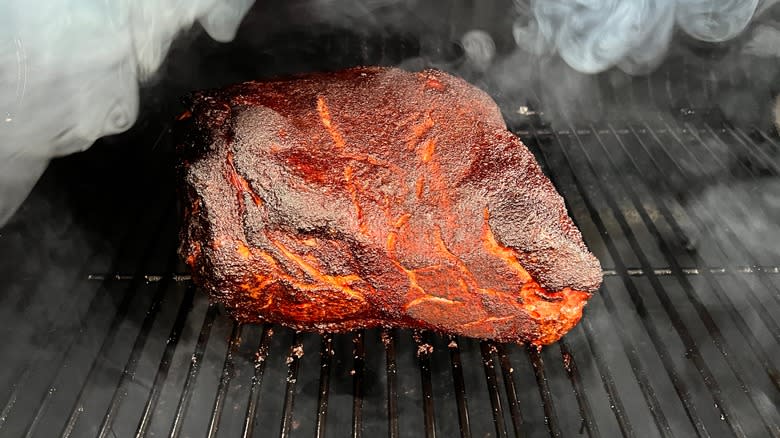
[
  {"x": 424, "y": 351},
  {"x": 680, "y": 385},
  {"x": 724, "y": 407},
  {"x": 586, "y": 412},
  {"x": 551, "y": 418},
  {"x": 9, "y": 405},
  {"x": 293, "y": 364},
  {"x": 192, "y": 374},
  {"x": 716, "y": 287},
  {"x": 603, "y": 131},
  {"x": 326, "y": 359},
  {"x": 257, "y": 381},
  {"x": 507, "y": 373},
  {"x": 460, "y": 387},
  {"x": 358, "y": 368},
  {"x": 228, "y": 369},
  {"x": 132, "y": 362},
  {"x": 165, "y": 362},
  {"x": 388, "y": 339},
  {"x": 706, "y": 317},
  {"x": 487, "y": 349},
  {"x": 610, "y": 387},
  {"x": 631, "y": 272}
]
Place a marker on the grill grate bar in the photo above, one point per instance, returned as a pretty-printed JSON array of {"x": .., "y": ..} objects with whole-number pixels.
[
  {"x": 766, "y": 137},
  {"x": 293, "y": 364},
  {"x": 44, "y": 404},
  {"x": 21, "y": 381},
  {"x": 660, "y": 272},
  {"x": 326, "y": 360},
  {"x": 677, "y": 321},
  {"x": 755, "y": 178},
  {"x": 487, "y": 350},
  {"x": 119, "y": 316},
  {"x": 609, "y": 382},
  {"x": 257, "y": 380},
  {"x": 728, "y": 148},
  {"x": 734, "y": 238},
  {"x": 149, "y": 278},
  {"x": 424, "y": 350},
  {"x": 132, "y": 362},
  {"x": 39, "y": 414},
  {"x": 753, "y": 148},
  {"x": 601, "y": 207},
  {"x": 632, "y": 272},
  {"x": 228, "y": 369},
  {"x": 192, "y": 373},
  {"x": 123, "y": 228},
  {"x": 655, "y": 337},
  {"x": 114, "y": 227},
  {"x": 721, "y": 164},
  {"x": 704, "y": 315},
  {"x": 358, "y": 368},
  {"x": 511, "y": 390},
  {"x": 550, "y": 417},
  {"x": 460, "y": 387},
  {"x": 754, "y": 151},
  {"x": 12, "y": 398},
  {"x": 681, "y": 172},
  {"x": 165, "y": 362},
  {"x": 636, "y": 365},
  {"x": 587, "y": 132},
  {"x": 586, "y": 411},
  {"x": 709, "y": 379},
  {"x": 388, "y": 339},
  {"x": 737, "y": 317},
  {"x": 768, "y": 321}
]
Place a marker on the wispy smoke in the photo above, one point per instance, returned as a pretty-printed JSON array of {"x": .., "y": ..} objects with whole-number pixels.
[
  {"x": 561, "y": 46},
  {"x": 745, "y": 209},
  {"x": 70, "y": 71},
  {"x": 595, "y": 35}
]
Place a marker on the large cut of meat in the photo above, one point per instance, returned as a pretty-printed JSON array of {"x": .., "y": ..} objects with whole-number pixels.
[{"x": 375, "y": 196}]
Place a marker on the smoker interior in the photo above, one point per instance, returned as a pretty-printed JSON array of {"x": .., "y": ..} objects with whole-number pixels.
[{"x": 105, "y": 335}]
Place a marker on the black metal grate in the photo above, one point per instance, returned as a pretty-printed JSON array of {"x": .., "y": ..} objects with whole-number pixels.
[{"x": 682, "y": 340}]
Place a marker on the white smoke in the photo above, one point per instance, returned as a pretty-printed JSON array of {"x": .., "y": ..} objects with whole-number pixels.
[
  {"x": 764, "y": 42},
  {"x": 70, "y": 69},
  {"x": 70, "y": 72},
  {"x": 479, "y": 48},
  {"x": 595, "y": 35}
]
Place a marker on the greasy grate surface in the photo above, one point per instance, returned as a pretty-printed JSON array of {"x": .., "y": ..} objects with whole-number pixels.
[{"x": 682, "y": 340}]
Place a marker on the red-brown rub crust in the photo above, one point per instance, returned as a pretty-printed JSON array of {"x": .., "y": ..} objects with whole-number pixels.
[{"x": 374, "y": 196}]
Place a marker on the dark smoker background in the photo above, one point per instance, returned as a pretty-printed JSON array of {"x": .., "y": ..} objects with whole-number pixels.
[{"x": 79, "y": 219}]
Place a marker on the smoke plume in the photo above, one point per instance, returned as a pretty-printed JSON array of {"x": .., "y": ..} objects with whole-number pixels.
[
  {"x": 595, "y": 35},
  {"x": 70, "y": 72},
  {"x": 70, "y": 69}
]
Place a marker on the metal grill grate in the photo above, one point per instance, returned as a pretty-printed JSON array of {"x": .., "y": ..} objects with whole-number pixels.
[{"x": 679, "y": 341}]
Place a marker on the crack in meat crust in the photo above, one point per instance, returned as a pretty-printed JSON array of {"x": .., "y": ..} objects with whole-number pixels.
[{"x": 374, "y": 196}]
